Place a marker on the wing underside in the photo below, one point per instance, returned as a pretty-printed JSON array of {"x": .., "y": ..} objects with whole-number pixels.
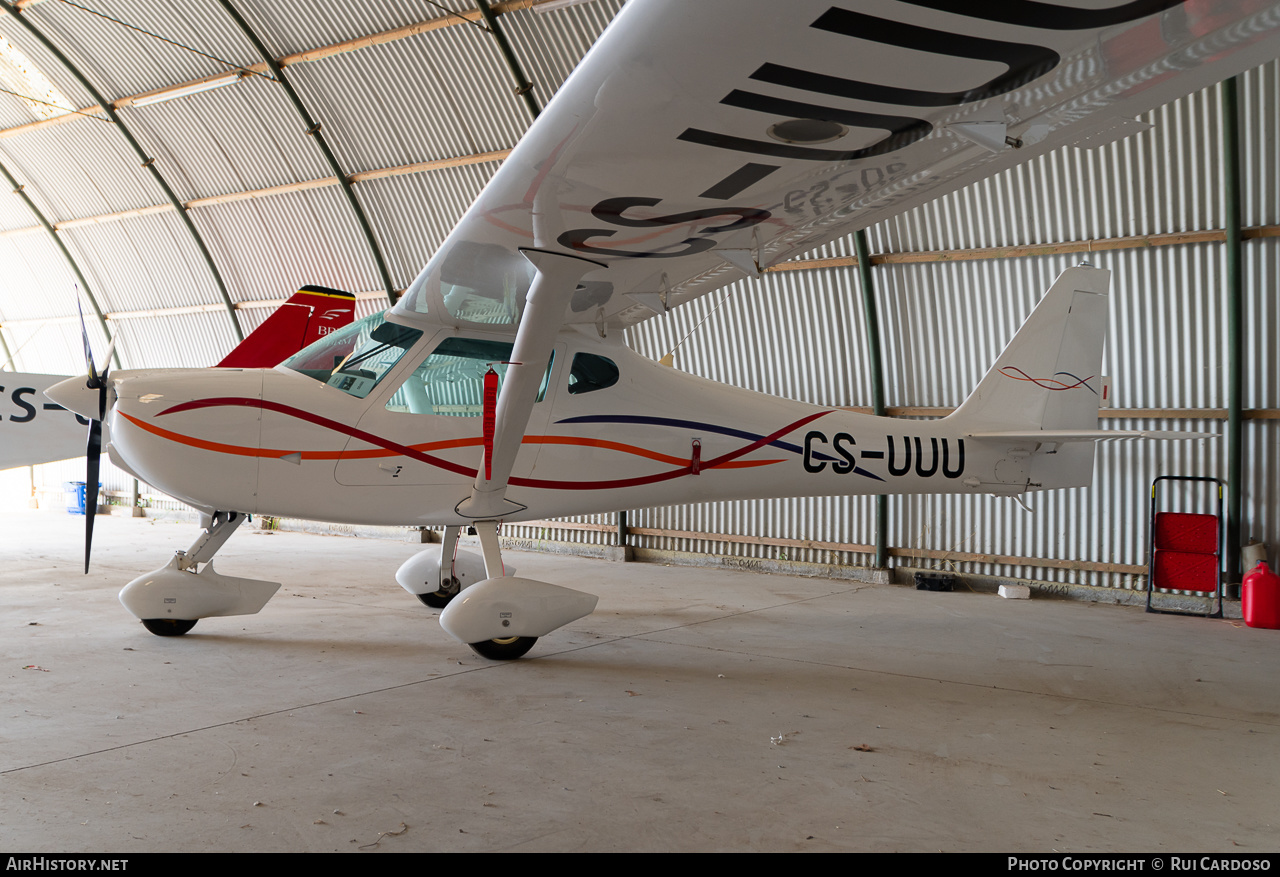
[{"x": 699, "y": 142}]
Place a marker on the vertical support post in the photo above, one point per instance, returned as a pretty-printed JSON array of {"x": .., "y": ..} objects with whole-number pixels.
[
  {"x": 1235, "y": 322},
  {"x": 622, "y": 529},
  {"x": 871, "y": 319}
]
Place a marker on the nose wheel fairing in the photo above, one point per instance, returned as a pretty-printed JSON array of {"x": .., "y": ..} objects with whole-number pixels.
[
  {"x": 182, "y": 594},
  {"x": 188, "y": 588}
]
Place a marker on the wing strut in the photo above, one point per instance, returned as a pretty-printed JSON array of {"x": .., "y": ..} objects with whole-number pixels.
[{"x": 553, "y": 286}]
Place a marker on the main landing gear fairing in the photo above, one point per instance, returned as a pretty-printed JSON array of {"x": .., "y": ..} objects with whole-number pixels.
[{"x": 498, "y": 614}]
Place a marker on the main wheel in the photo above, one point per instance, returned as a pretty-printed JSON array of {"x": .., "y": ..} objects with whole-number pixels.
[
  {"x": 506, "y": 649},
  {"x": 436, "y": 599},
  {"x": 440, "y": 599},
  {"x": 169, "y": 626}
]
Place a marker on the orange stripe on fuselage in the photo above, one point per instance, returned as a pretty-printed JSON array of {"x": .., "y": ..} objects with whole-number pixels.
[{"x": 216, "y": 447}]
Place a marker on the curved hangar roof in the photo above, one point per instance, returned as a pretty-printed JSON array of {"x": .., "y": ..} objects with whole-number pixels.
[{"x": 246, "y": 114}]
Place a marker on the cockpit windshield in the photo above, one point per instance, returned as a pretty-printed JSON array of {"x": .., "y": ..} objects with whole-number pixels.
[{"x": 355, "y": 358}]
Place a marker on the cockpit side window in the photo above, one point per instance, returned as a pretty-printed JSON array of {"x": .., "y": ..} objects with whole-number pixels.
[
  {"x": 591, "y": 372},
  {"x": 450, "y": 382}
]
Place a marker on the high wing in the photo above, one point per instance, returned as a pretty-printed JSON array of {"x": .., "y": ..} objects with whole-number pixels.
[{"x": 698, "y": 142}]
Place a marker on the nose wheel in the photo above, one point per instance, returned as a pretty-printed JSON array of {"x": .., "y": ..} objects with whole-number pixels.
[{"x": 504, "y": 649}]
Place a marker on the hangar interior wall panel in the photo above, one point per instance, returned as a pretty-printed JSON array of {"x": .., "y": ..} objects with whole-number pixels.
[
  {"x": 202, "y": 156},
  {"x": 171, "y": 335},
  {"x": 414, "y": 213},
  {"x": 35, "y": 275},
  {"x": 1262, "y": 323},
  {"x": 79, "y": 169},
  {"x": 289, "y": 26},
  {"x": 138, "y": 62},
  {"x": 372, "y": 120},
  {"x": 549, "y": 44},
  {"x": 271, "y": 246},
  {"x": 146, "y": 253}
]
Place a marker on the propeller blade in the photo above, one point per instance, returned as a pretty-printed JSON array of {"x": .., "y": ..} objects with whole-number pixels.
[
  {"x": 106, "y": 360},
  {"x": 102, "y": 381},
  {"x": 94, "y": 460},
  {"x": 84, "y": 336},
  {"x": 93, "y": 453}
]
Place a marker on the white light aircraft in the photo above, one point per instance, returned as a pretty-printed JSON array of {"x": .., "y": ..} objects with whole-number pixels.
[{"x": 696, "y": 144}]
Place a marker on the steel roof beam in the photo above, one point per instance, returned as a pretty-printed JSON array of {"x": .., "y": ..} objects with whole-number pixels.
[
  {"x": 1234, "y": 306},
  {"x": 147, "y": 161},
  {"x": 270, "y": 191},
  {"x": 313, "y": 129},
  {"x": 318, "y": 54},
  {"x": 524, "y": 88},
  {"x": 871, "y": 321}
]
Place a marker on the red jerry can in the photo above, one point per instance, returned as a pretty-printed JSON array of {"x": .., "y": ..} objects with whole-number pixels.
[{"x": 1260, "y": 595}]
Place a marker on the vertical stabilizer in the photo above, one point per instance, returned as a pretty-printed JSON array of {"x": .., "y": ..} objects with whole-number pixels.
[{"x": 1049, "y": 375}]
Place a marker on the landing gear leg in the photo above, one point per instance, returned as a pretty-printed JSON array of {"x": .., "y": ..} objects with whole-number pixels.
[
  {"x": 488, "y": 533},
  {"x": 216, "y": 532},
  {"x": 450, "y": 586}
]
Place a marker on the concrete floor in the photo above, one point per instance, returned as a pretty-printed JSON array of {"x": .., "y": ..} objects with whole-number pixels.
[{"x": 695, "y": 710}]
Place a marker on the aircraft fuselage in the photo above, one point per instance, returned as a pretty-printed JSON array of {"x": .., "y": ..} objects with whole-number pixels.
[{"x": 276, "y": 442}]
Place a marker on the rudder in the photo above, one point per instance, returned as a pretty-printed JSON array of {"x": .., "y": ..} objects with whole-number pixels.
[{"x": 1049, "y": 375}]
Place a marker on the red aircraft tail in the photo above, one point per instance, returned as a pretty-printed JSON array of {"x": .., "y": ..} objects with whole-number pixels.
[{"x": 312, "y": 312}]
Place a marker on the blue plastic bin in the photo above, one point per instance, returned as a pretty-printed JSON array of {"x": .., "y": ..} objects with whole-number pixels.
[{"x": 75, "y": 493}]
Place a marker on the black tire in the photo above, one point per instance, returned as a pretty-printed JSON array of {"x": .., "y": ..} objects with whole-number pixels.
[
  {"x": 169, "y": 626},
  {"x": 505, "y": 649},
  {"x": 436, "y": 599}
]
